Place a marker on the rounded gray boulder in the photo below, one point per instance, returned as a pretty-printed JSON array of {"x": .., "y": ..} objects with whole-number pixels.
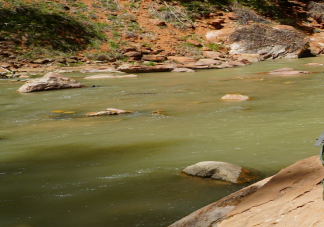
[{"x": 221, "y": 171}]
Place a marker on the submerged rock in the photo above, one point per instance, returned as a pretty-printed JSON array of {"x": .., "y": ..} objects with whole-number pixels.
[
  {"x": 157, "y": 111},
  {"x": 50, "y": 81},
  {"x": 293, "y": 72},
  {"x": 292, "y": 197},
  {"x": 221, "y": 171},
  {"x": 314, "y": 63},
  {"x": 100, "y": 113},
  {"x": 118, "y": 111},
  {"x": 110, "y": 76},
  {"x": 108, "y": 111}
]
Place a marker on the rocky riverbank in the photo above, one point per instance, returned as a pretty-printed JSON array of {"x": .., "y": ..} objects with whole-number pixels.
[{"x": 161, "y": 37}]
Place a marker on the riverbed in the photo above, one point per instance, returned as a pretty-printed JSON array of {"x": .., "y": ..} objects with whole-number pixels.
[{"x": 59, "y": 168}]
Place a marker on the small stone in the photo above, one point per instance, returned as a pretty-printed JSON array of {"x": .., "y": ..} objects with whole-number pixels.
[
  {"x": 153, "y": 58},
  {"x": 238, "y": 97},
  {"x": 118, "y": 111},
  {"x": 183, "y": 70},
  {"x": 100, "y": 113},
  {"x": 157, "y": 111}
]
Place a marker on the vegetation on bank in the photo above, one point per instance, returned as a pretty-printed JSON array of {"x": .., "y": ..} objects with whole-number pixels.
[{"x": 44, "y": 28}]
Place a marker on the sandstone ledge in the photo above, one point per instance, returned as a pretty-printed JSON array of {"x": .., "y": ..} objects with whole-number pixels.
[{"x": 292, "y": 197}]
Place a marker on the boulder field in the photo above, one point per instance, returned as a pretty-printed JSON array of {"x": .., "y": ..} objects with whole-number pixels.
[{"x": 293, "y": 197}]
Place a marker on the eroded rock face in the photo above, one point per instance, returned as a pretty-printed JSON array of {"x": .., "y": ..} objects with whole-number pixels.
[
  {"x": 50, "y": 81},
  {"x": 220, "y": 171},
  {"x": 290, "y": 198}
]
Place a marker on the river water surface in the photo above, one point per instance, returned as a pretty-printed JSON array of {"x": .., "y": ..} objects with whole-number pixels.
[{"x": 63, "y": 169}]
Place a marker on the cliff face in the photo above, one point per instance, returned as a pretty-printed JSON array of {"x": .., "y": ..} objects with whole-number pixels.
[{"x": 292, "y": 197}]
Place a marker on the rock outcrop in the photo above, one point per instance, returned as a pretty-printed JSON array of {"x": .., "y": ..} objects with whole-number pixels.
[
  {"x": 271, "y": 42},
  {"x": 50, "y": 81},
  {"x": 290, "y": 198},
  {"x": 221, "y": 171}
]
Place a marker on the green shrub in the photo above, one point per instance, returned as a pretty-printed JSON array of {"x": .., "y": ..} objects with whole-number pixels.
[
  {"x": 150, "y": 63},
  {"x": 46, "y": 26},
  {"x": 213, "y": 46}
]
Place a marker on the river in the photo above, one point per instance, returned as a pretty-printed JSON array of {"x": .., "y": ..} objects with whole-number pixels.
[{"x": 63, "y": 169}]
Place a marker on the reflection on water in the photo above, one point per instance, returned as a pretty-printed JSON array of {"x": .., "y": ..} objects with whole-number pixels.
[{"x": 59, "y": 168}]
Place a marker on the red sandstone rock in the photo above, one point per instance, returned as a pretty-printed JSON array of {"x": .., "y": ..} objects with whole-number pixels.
[
  {"x": 208, "y": 61},
  {"x": 153, "y": 57},
  {"x": 182, "y": 60},
  {"x": 212, "y": 54},
  {"x": 216, "y": 36}
]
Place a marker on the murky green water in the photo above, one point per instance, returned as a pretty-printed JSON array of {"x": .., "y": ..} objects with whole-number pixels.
[{"x": 67, "y": 170}]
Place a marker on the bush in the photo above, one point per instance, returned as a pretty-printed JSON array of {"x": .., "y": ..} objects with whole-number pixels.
[{"x": 46, "y": 25}]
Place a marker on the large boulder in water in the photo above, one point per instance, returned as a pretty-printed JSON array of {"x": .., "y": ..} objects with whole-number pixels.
[
  {"x": 50, "y": 81},
  {"x": 221, "y": 171}
]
